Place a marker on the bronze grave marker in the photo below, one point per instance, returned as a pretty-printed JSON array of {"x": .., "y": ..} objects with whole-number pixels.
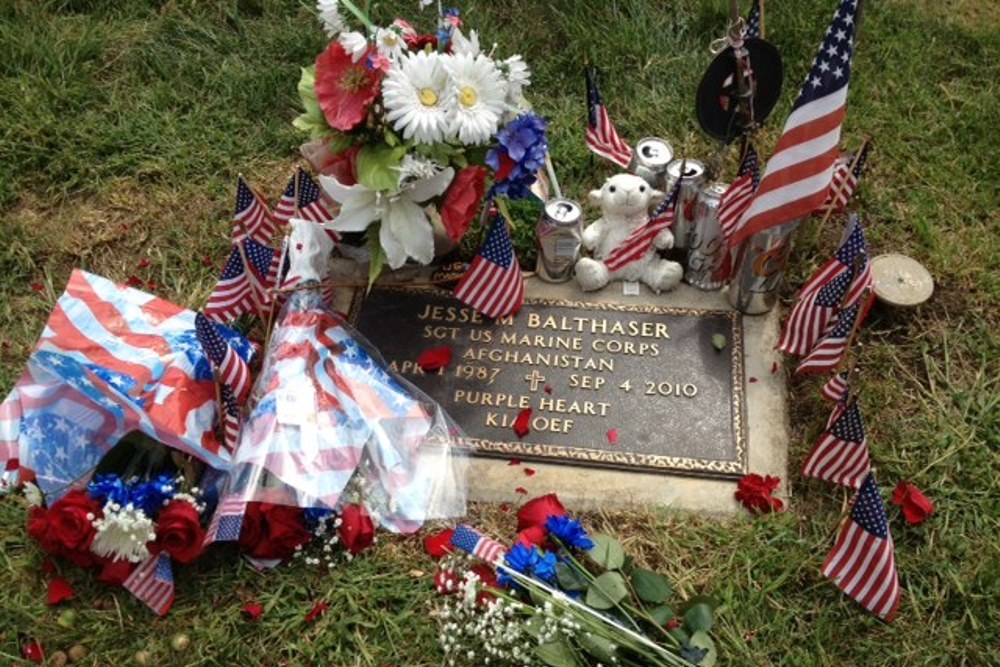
[{"x": 650, "y": 375}]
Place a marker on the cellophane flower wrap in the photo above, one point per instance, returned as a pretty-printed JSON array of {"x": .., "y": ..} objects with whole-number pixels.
[{"x": 403, "y": 125}]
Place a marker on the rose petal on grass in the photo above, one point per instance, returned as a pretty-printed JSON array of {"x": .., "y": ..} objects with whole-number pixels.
[
  {"x": 207, "y": 261},
  {"x": 254, "y": 610},
  {"x": 521, "y": 424},
  {"x": 59, "y": 591},
  {"x": 318, "y": 609},
  {"x": 435, "y": 358},
  {"x": 439, "y": 544},
  {"x": 144, "y": 262},
  {"x": 133, "y": 281},
  {"x": 32, "y": 652},
  {"x": 38, "y": 287}
]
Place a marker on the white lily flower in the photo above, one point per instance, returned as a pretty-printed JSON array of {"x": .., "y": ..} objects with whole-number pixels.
[{"x": 406, "y": 230}]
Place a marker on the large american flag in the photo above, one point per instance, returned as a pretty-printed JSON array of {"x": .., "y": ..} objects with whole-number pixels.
[
  {"x": 739, "y": 194},
  {"x": 836, "y": 285},
  {"x": 602, "y": 137},
  {"x": 640, "y": 242},
  {"x": 845, "y": 179},
  {"x": 472, "y": 542},
  {"x": 863, "y": 561},
  {"x": 252, "y": 217},
  {"x": 311, "y": 204},
  {"x": 797, "y": 178},
  {"x": 841, "y": 453},
  {"x": 111, "y": 360},
  {"x": 493, "y": 285},
  {"x": 153, "y": 583},
  {"x": 240, "y": 290}
]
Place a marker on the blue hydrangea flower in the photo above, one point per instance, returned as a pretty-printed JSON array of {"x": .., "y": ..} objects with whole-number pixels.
[
  {"x": 521, "y": 152},
  {"x": 569, "y": 532},
  {"x": 104, "y": 488}
]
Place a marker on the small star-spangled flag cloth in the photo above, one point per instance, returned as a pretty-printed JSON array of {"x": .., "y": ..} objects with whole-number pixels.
[
  {"x": 310, "y": 205},
  {"x": 472, "y": 542},
  {"x": 797, "y": 179},
  {"x": 831, "y": 288},
  {"x": 242, "y": 289},
  {"x": 863, "y": 561},
  {"x": 739, "y": 194},
  {"x": 153, "y": 583},
  {"x": 227, "y": 521},
  {"x": 602, "y": 137},
  {"x": 753, "y": 20},
  {"x": 829, "y": 352},
  {"x": 252, "y": 218},
  {"x": 639, "y": 243},
  {"x": 493, "y": 285},
  {"x": 229, "y": 367},
  {"x": 837, "y": 387},
  {"x": 845, "y": 179},
  {"x": 841, "y": 454}
]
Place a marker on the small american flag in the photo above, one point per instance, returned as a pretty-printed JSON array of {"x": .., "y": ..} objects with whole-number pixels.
[
  {"x": 153, "y": 583},
  {"x": 252, "y": 218},
  {"x": 845, "y": 180},
  {"x": 832, "y": 288},
  {"x": 830, "y": 349},
  {"x": 841, "y": 454},
  {"x": 471, "y": 541},
  {"x": 240, "y": 291},
  {"x": 602, "y": 137},
  {"x": 837, "y": 387},
  {"x": 493, "y": 285},
  {"x": 229, "y": 367},
  {"x": 639, "y": 243},
  {"x": 311, "y": 204},
  {"x": 739, "y": 194},
  {"x": 753, "y": 20},
  {"x": 863, "y": 560},
  {"x": 797, "y": 179},
  {"x": 265, "y": 263},
  {"x": 227, "y": 522}
]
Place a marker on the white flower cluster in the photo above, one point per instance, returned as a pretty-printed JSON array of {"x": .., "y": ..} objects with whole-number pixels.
[
  {"x": 122, "y": 533},
  {"x": 325, "y": 539}
]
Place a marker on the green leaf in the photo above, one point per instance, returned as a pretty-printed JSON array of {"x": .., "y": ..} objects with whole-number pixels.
[
  {"x": 376, "y": 255},
  {"x": 312, "y": 121},
  {"x": 556, "y": 654},
  {"x": 701, "y": 640},
  {"x": 698, "y": 617},
  {"x": 662, "y": 614},
  {"x": 607, "y": 552},
  {"x": 378, "y": 166},
  {"x": 606, "y": 591},
  {"x": 719, "y": 341},
  {"x": 600, "y": 647},
  {"x": 650, "y": 586},
  {"x": 533, "y": 626},
  {"x": 569, "y": 579}
]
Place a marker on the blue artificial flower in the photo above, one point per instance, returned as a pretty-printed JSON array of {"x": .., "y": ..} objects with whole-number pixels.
[
  {"x": 544, "y": 567},
  {"x": 569, "y": 532},
  {"x": 316, "y": 515},
  {"x": 150, "y": 496},
  {"x": 104, "y": 488},
  {"x": 529, "y": 561},
  {"x": 522, "y": 147}
]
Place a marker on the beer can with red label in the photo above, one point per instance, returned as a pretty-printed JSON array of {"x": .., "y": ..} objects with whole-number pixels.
[
  {"x": 760, "y": 268},
  {"x": 708, "y": 254}
]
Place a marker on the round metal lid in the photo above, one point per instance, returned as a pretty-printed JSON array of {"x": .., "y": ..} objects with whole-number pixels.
[
  {"x": 900, "y": 280},
  {"x": 655, "y": 152},
  {"x": 692, "y": 168},
  {"x": 715, "y": 189},
  {"x": 563, "y": 211}
]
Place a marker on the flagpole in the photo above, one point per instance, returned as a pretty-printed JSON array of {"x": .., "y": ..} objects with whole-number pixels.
[
  {"x": 284, "y": 248},
  {"x": 850, "y": 168},
  {"x": 760, "y": 14}
]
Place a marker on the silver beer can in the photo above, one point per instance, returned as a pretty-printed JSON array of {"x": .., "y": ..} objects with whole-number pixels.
[
  {"x": 650, "y": 160},
  {"x": 694, "y": 180},
  {"x": 760, "y": 268},
  {"x": 558, "y": 235},
  {"x": 708, "y": 253}
]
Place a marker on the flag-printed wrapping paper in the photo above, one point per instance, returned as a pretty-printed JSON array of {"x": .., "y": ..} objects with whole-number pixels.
[
  {"x": 111, "y": 360},
  {"x": 327, "y": 409}
]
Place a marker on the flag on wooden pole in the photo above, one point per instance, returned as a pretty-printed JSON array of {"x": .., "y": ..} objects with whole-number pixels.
[
  {"x": 493, "y": 285},
  {"x": 602, "y": 137},
  {"x": 841, "y": 454}
]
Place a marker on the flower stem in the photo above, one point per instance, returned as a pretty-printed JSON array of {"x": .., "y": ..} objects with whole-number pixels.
[{"x": 360, "y": 15}]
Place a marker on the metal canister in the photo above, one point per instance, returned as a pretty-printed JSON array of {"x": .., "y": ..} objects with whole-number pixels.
[
  {"x": 708, "y": 252},
  {"x": 694, "y": 180},
  {"x": 760, "y": 268},
  {"x": 650, "y": 160},
  {"x": 558, "y": 234}
]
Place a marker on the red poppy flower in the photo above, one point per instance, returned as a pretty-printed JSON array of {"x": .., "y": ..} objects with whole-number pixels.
[
  {"x": 59, "y": 591},
  {"x": 461, "y": 201},
  {"x": 916, "y": 506},
  {"x": 521, "y": 424},
  {"x": 754, "y": 492},
  {"x": 344, "y": 88},
  {"x": 434, "y": 359},
  {"x": 133, "y": 281},
  {"x": 439, "y": 544}
]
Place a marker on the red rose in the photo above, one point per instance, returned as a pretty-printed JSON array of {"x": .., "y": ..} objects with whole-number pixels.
[
  {"x": 286, "y": 530},
  {"x": 537, "y": 511},
  {"x": 488, "y": 579},
  {"x": 439, "y": 544},
  {"x": 357, "y": 532},
  {"x": 532, "y": 536},
  {"x": 252, "y": 531},
  {"x": 345, "y": 89},
  {"x": 916, "y": 506},
  {"x": 754, "y": 492},
  {"x": 66, "y": 529},
  {"x": 446, "y": 582},
  {"x": 115, "y": 572},
  {"x": 179, "y": 531},
  {"x": 461, "y": 201}
]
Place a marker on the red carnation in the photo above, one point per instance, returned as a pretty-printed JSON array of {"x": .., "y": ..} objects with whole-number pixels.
[
  {"x": 345, "y": 89},
  {"x": 357, "y": 532},
  {"x": 537, "y": 511},
  {"x": 179, "y": 531},
  {"x": 916, "y": 506},
  {"x": 461, "y": 201},
  {"x": 66, "y": 529},
  {"x": 755, "y": 492}
]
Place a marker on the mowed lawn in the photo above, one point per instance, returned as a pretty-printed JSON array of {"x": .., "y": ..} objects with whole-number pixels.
[{"x": 123, "y": 126}]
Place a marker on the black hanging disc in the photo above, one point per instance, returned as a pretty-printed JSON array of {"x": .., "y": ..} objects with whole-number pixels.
[{"x": 718, "y": 103}]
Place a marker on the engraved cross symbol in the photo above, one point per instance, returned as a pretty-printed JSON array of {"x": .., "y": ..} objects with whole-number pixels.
[{"x": 534, "y": 379}]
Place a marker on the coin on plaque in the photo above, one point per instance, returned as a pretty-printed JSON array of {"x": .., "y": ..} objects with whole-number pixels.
[{"x": 900, "y": 280}]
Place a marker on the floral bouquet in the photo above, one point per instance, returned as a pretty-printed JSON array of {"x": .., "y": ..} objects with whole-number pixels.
[
  {"x": 403, "y": 126},
  {"x": 562, "y": 597}
]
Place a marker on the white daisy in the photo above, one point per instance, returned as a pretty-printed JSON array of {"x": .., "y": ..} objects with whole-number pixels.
[
  {"x": 390, "y": 43},
  {"x": 462, "y": 45},
  {"x": 405, "y": 231},
  {"x": 329, "y": 16},
  {"x": 518, "y": 77},
  {"x": 354, "y": 43},
  {"x": 417, "y": 97},
  {"x": 479, "y": 91}
]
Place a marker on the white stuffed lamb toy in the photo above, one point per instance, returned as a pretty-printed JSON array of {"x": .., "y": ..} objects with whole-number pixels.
[{"x": 625, "y": 201}]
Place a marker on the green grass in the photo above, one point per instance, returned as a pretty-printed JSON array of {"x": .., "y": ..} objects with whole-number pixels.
[{"x": 142, "y": 114}]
